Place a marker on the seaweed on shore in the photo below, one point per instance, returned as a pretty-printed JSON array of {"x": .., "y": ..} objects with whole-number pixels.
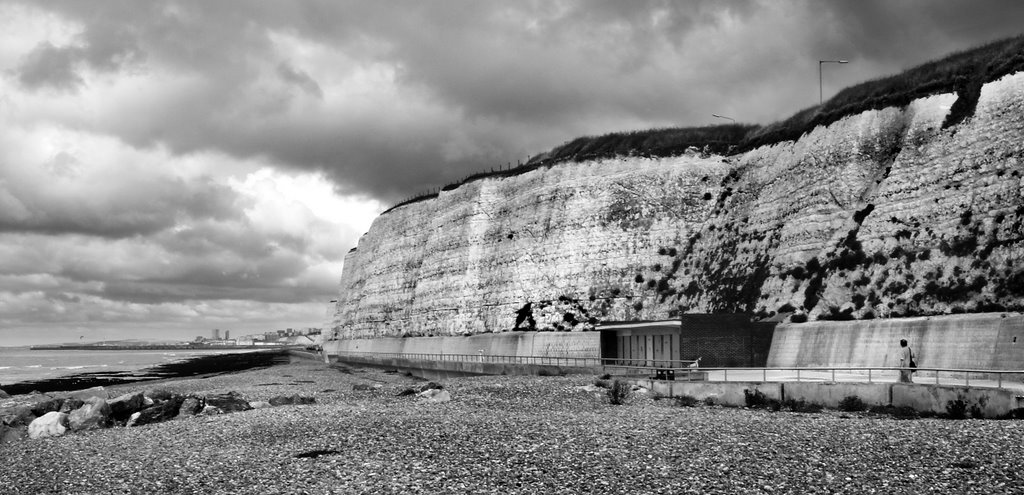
[{"x": 201, "y": 365}]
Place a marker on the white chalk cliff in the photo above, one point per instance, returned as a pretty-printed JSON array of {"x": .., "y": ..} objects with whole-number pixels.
[{"x": 880, "y": 214}]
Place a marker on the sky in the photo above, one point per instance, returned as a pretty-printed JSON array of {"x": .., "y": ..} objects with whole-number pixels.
[{"x": 171, "y": 167}]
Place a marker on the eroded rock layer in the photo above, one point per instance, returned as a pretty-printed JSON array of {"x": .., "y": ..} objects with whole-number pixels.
[{"x": 880, "y": 214}]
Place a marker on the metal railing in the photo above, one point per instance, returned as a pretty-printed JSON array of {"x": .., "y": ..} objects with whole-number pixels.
[
  {"x": 681, "y": 368},
  {"x": 871, "y": 374}
]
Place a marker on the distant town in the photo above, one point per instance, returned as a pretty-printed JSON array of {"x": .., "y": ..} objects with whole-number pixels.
[
  {"x": 308, "y": 338},
  {"x": 305, "y": 337}
]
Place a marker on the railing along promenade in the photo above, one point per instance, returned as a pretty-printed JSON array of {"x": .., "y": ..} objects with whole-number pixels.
[{"x": 681, "y": 369}]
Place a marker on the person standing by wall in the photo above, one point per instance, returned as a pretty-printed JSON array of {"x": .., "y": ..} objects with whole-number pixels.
[{"x": 906, "y": 356}]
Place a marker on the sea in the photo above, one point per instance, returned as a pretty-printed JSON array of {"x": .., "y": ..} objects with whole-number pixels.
[{"x": 21, "y": 364}]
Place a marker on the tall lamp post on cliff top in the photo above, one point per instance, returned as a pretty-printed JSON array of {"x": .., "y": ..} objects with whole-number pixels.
[{"x": 820, "y": 99}]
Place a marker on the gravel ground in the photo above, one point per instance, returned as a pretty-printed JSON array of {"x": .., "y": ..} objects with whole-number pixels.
[{"x": 503, "y": 434}]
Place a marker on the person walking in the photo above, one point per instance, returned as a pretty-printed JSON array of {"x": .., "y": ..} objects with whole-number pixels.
[{"x": 906, "y": 358}]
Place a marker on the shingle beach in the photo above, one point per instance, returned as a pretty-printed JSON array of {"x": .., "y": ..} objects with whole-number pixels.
[{"x": 507, "y": 434}]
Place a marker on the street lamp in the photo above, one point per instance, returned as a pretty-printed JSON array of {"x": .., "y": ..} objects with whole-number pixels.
[
  {"x": 723, "y": 117},
  {"x": 820, "y": 99}
]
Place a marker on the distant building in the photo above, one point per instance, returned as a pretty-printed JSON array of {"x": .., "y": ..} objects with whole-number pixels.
[
  {"x": 216, "y": 334},
  {"x": 227, "y": 334}
]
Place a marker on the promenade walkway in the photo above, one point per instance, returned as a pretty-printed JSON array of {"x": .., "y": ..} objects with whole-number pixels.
[{"x": 1005, "y": 379}]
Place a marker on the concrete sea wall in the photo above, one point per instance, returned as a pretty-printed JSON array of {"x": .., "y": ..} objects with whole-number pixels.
[
  {"x": 991, "y": 341},
  {"x": 991, "y": 402},
  {"x": 550, "y": 344}
]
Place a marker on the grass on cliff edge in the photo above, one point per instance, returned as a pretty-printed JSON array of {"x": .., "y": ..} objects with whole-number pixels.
[{"x": 962, "y": 73}]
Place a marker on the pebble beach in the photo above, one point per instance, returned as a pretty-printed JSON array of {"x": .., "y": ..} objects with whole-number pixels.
[{"x": 506, "y": 434}]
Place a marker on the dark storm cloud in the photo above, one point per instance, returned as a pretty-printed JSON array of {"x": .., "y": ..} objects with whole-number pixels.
[
  {"x": 101, "y": 48},
  {"x": 141, "y": 206},
  {"x": 900, "y": 35},
  {"x": 300, "y": 79},
  {"x": 482, "y": 83},
  {"x": 50, "y": 66}
]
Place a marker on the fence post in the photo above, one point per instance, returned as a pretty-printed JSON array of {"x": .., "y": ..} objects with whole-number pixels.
[{"x": 833, "y": 375}]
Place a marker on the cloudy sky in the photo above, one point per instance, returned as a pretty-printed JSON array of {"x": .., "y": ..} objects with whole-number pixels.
[{"x": 170, "y": 167}]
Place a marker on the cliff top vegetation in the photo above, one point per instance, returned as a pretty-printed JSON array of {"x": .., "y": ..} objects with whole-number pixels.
[{"x": 963, "y": 73}]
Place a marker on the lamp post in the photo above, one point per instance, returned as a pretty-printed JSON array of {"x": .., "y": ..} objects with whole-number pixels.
[
  {"x": 723, "y": 117},
  {"x": 820, "y": 98}
]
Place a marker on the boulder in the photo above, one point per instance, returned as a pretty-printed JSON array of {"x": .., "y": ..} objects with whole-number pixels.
[
  {"x": 436, "y": 395},
  {"x": 83, "y": 395},
  {"x": 70, "y": 404},
  {"x": 16, "y": 415},
  {"x": 160, "y": 394},
  {"x": 260, "y": 404},
  {"x": 12, "y": 434},
  {"x": 47, "y": 404},
  {"x": 133, "y": 417},
  {"x": 93, "y": 415},
  {"x": 190, "y": 406},
  {"x": 211, "y": 410},
  {"x": 51, "y": 424},
  {"x": 3, "y": 395},
  {"x": 229, "y": 402},
  {"x": 123, "y": 406},
  {"x": 161, "y": 411},
  {"x": 283, "y": 400}
]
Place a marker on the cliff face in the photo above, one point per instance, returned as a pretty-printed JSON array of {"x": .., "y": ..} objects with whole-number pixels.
[
  {"x": 564, "y": 242},
  {"x": 880, "y": 214}
]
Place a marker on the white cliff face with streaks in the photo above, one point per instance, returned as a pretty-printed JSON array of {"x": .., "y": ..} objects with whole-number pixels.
[
  {"x": 468, "y": 260},
  {"x": 880, "y": 214}
]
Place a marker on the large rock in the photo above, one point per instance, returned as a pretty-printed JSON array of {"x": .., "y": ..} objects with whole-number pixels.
[
  {"x": 47, "y": 404},
  {"x": 229, "y": 402},
  {"x": 94, "y": 414},
  {"x": 283, "y": 400},
  {"x": 190, "y": 406},
  {"x": 51, "y": 424},
  {"x": 70, "y": 404},
  {"x": 161, "y": 394},
  {"x": 123, "y": 406},
  {"x": 84, "y": 395},
  {"x": 12, "y": 434},
  {"x": 3, "y": 395},
  {"x": 16, "y": 415},
  {"x": 161, "y": 411}
]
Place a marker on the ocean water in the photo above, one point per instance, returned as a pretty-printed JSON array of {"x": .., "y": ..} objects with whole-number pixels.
[{"x": 20, "y": 364}]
